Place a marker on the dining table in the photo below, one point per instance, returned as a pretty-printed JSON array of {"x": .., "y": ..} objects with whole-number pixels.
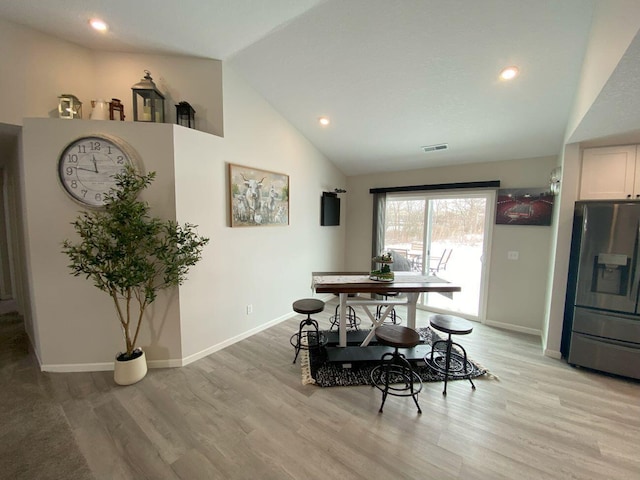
[{"x": 348, "y": 286}]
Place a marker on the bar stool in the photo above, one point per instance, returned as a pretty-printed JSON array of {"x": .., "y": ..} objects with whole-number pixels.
[
  {"x": 352, "y": 320},
  {"x": 452, "y": 364},
  {"x": 393, "y": 318},
  {"x": 315, "y": 339},
  {"x": 394, "y": 375}
]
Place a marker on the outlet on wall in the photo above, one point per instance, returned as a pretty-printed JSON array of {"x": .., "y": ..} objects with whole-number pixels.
[
  {"x": 249, "y": 309},
  {"x": 513, "y": 255}
]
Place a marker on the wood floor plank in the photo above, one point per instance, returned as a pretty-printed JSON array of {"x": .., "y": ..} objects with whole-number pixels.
[{"x": 243, "y": 413}]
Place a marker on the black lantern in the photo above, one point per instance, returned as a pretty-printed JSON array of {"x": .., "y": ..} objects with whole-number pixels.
[
  {"x": 185, "y": 115},
  {"x": 148, "y": 102}
]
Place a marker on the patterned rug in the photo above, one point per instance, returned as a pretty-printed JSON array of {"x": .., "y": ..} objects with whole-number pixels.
[{"x": 315, "y": 369}]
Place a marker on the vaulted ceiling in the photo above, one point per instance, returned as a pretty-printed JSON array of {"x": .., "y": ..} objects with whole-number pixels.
[{"x": 391, "y": 75}]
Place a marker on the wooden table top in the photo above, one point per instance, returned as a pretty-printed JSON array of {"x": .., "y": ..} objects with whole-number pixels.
[{"x": 359, "y": 282}]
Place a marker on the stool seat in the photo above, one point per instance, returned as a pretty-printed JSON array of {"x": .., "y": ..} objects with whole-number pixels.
[
  {"x": 397, "y": 336},
  {"x": 450, "y": 324},
  {"x": 308, "y": 306}
]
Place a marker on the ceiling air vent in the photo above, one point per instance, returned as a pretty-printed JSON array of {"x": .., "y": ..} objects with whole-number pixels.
[{"x": 435, "y": 148}]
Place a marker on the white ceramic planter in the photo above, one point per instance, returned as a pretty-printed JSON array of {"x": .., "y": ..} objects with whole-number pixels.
[{"x": 130, "y": 371}]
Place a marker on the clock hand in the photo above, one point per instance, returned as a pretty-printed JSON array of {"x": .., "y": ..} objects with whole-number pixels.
[
  {"x": 95, "y": 163},
  {"x": 85, "y": 169}
]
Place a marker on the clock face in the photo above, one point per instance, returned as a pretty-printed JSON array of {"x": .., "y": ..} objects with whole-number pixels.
[{"x": 88, "y": 165}]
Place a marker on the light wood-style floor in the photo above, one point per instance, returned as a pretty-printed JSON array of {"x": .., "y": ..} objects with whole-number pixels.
[{"x": 242, "y": 413}]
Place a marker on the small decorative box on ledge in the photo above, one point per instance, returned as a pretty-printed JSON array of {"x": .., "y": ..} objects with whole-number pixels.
[{"x": 384, "y": 273}]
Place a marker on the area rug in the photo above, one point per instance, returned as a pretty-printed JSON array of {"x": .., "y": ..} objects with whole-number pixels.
[{"x": 316, "y": 371}]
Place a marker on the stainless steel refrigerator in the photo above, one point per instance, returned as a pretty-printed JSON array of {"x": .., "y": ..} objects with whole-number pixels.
[{"x": 602, "y": 318}]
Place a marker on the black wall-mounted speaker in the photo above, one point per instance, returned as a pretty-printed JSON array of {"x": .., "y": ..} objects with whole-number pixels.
[{"x": 329, "y": 209}]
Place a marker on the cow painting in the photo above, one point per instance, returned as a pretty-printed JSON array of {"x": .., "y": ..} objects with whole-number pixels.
[
  {"x": 258, "y": 197},
  {"x": 253, "y": 195}
]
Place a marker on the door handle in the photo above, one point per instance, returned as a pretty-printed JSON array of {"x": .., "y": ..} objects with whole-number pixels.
[{"x": 633, "y": 293}]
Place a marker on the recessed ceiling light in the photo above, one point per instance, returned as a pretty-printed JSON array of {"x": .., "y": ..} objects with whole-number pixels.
[
  {"x": 98, "y": 24},
  {"x": 324, "y": 121},
  {"x": 509, "y": 73}
]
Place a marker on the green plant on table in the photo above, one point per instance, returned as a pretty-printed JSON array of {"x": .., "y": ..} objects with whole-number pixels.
[
  {"x": 131, "y": 255},
  {"x": 384, "y": 272}
]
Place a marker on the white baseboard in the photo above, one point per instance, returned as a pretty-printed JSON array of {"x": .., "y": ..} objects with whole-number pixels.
[
  {"x": 77, "y": 367},
  {"x": 514, "y": 328},
  {"x": 214, "y": 348},
  {"x": 104, "y": 367},
  {"x": 553, "y": 354},
  {"x": 172, "y": 362}
]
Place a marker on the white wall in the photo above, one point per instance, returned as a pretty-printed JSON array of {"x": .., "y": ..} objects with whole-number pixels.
[
  {"x": 266, "y": 267},
  {"x": 75, "y": 324},
  {"x": 38, "y": 68},
  {"x": 195, "y": 80},
  {"x": 614, "y": 25},
  {"x": 75, "y": 327},
  {"x": 561, "y": 247},
  {"x": 517, "y": 289}
]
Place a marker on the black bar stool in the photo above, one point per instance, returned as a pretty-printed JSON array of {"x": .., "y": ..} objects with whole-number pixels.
[
  {"x": 394, "y": 375},
  {"x": 393, "y": 318},
  {"x": 452, "y": 364},
  {"x": 315, "y": 339},
  {"x": 352, "y": 320}
]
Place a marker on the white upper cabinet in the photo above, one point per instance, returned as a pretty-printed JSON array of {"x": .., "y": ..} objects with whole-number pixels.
[{"x": 610, "y": 173}]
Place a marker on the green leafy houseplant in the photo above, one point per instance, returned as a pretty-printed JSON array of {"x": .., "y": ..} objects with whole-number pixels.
[{"x": 131, "y": 255}]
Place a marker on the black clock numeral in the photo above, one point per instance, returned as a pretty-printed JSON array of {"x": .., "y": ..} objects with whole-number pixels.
[
  {"x": 69, "y": 170},
  {"x": 109, "y": 150},
  {"x": 120, "y": 160},
  {"x": 81, "y": 149},
  {"x": 98, "y": 197},
  {"x": 95, "y": 146},
  {"x": 74, "y": 184},
  {"x": 72, "y": 158},
  {"x": 84, "y": 193}
]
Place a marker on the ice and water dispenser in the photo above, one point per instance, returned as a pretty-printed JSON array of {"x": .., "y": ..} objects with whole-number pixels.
[{"x": 611, "y": 274}]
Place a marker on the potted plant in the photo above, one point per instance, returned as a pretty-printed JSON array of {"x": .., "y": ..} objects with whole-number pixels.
[{"x": 131, "y": 256}]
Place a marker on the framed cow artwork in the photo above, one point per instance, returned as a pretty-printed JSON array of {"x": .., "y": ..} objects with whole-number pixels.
[{"x": 257, "y": 197}]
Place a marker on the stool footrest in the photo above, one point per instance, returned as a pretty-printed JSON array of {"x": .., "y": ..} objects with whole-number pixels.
[
  {"x": 456, "y": 367},
  {"x": 395, "y": 376},
  {"x": 399, "y": 381}
]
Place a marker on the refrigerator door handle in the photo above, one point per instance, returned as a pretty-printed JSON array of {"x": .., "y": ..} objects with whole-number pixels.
[{"x": 633, "y": 292}]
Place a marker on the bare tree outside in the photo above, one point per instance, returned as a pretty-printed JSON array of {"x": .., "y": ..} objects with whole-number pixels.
[{"x": 458, "y": 219}]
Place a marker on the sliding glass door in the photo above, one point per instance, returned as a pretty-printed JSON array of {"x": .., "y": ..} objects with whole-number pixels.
[{"x": 446, "y": 235}]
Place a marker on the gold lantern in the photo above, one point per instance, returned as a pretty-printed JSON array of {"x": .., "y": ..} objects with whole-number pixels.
[{"x": 69, "y": 106}]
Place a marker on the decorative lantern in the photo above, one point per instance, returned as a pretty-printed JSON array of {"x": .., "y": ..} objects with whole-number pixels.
[
  {"x": 185, "y": 115},
  {"x": 116, "y": 106},
  {"x": 69, "y": 106},
  {"x": 148, "y": 102}
]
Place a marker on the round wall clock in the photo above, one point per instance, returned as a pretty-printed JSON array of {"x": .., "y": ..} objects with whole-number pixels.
[{"x": 88, "y": 165}]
